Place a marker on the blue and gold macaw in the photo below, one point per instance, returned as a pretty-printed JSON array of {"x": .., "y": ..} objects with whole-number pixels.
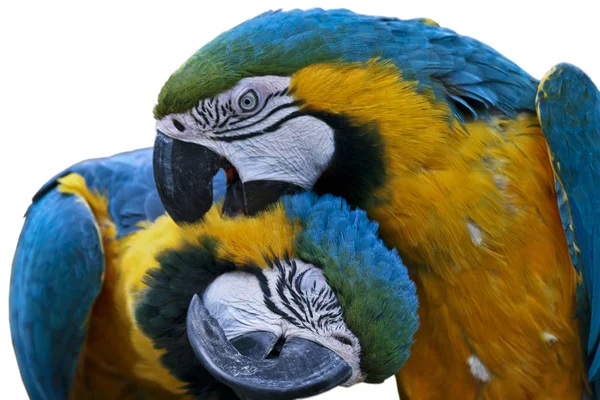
[
  {"x": 110, "y": 299},
  {"x": 437, "y": 136}
]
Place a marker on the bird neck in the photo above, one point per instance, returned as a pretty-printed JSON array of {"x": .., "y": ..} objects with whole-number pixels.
[{"x": 383, "y": 125}]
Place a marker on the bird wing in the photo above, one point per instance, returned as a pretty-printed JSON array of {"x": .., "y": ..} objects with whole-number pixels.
[
  {"x": 568, "y": 105},
  {"x": 57, "y": 273}
]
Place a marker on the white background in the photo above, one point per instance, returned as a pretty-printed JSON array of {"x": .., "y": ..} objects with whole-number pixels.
[{"x": 79, "y": 80}]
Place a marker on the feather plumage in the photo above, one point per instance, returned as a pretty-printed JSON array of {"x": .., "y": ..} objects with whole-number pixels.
[
  {"x": 56, "y": 277},
  {"x": 460, "y": 70},
  {"x": 101, "y": 315},
  {"x": 568, "y": 105},
  {"x": 59, "y": 265}
]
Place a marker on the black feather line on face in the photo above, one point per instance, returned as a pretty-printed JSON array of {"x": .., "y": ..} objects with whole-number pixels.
[
  {"x": 161, "y": 312},
  {"x": 358, "y": 166},
  {"x": 271, "y": 128}
]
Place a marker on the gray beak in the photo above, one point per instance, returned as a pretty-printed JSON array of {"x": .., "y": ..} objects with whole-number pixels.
[
  {"x": 301, "y": 368},
  {"x": 184, "y": 174}
]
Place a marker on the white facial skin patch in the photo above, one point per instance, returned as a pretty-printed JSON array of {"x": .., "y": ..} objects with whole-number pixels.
[
  {"x": 241, "y": 306},
  {"x": 260, "y": 129}
]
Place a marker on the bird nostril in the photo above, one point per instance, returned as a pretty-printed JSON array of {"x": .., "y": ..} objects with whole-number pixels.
[
  {"x": 180, "y": 127},
  {"x": 277, "y": 348}
]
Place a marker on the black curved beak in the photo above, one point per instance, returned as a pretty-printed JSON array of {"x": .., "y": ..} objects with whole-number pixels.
[
  {"x": 302, "y": 368},
  {"x": 184, "y": 174}
]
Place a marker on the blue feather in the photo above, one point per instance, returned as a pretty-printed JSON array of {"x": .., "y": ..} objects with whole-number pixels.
[
  {"x": 128, "y": 182},
  {"x": 454, "y": 66},
  {"x": 367, "y": 267},
  {"x": 569, "y": 110},
  {"x": 56, "y": 276}
]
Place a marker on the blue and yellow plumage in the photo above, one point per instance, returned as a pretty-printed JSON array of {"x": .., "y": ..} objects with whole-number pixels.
[
  {"x": 59, "y": 265},
  {"x": 437, "y": 136},
  {"x": 102, "y": 279}
]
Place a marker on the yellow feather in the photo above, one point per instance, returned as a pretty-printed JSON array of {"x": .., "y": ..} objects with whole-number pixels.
[
  {"x": 471, "y": 207},
  {"x": 75, "y": 184},
  {"x": 431, "y": 22}
]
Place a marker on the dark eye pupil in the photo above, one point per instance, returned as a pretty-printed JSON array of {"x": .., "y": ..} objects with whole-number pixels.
[{"x": 248, "y": 101}]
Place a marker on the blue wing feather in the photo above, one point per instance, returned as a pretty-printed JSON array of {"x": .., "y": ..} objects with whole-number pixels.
[
  {"x": 56, "y": 276},
  {"x": 59, "y": 263},
  {"x": 127, "y": 181},
  {"x": 569, "y": 111}
]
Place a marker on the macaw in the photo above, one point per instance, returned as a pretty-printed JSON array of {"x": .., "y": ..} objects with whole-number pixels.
[
  {"x": 435, "y": 135},
  {"x": 110, "y": 299}
]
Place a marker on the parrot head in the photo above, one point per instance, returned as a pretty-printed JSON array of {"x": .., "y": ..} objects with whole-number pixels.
[
  {"x": 309, "y": 300},
  {"x": 326, "y": 101},
  {"x": 236, "y": 105}
]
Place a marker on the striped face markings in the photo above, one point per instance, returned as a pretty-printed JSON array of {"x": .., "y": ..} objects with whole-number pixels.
[
  {"x": 290, "y": 299},
  {"x": 251, "y": 108},
  {"x": 260, "y": 132}
]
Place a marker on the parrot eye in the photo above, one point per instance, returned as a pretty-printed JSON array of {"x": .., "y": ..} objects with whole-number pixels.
[{"x": 248, "y": 101}]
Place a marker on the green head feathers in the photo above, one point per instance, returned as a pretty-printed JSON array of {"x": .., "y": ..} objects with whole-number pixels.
[
  {"x": 371, "y": 283},
  {"x": 273, "y": 43}
]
